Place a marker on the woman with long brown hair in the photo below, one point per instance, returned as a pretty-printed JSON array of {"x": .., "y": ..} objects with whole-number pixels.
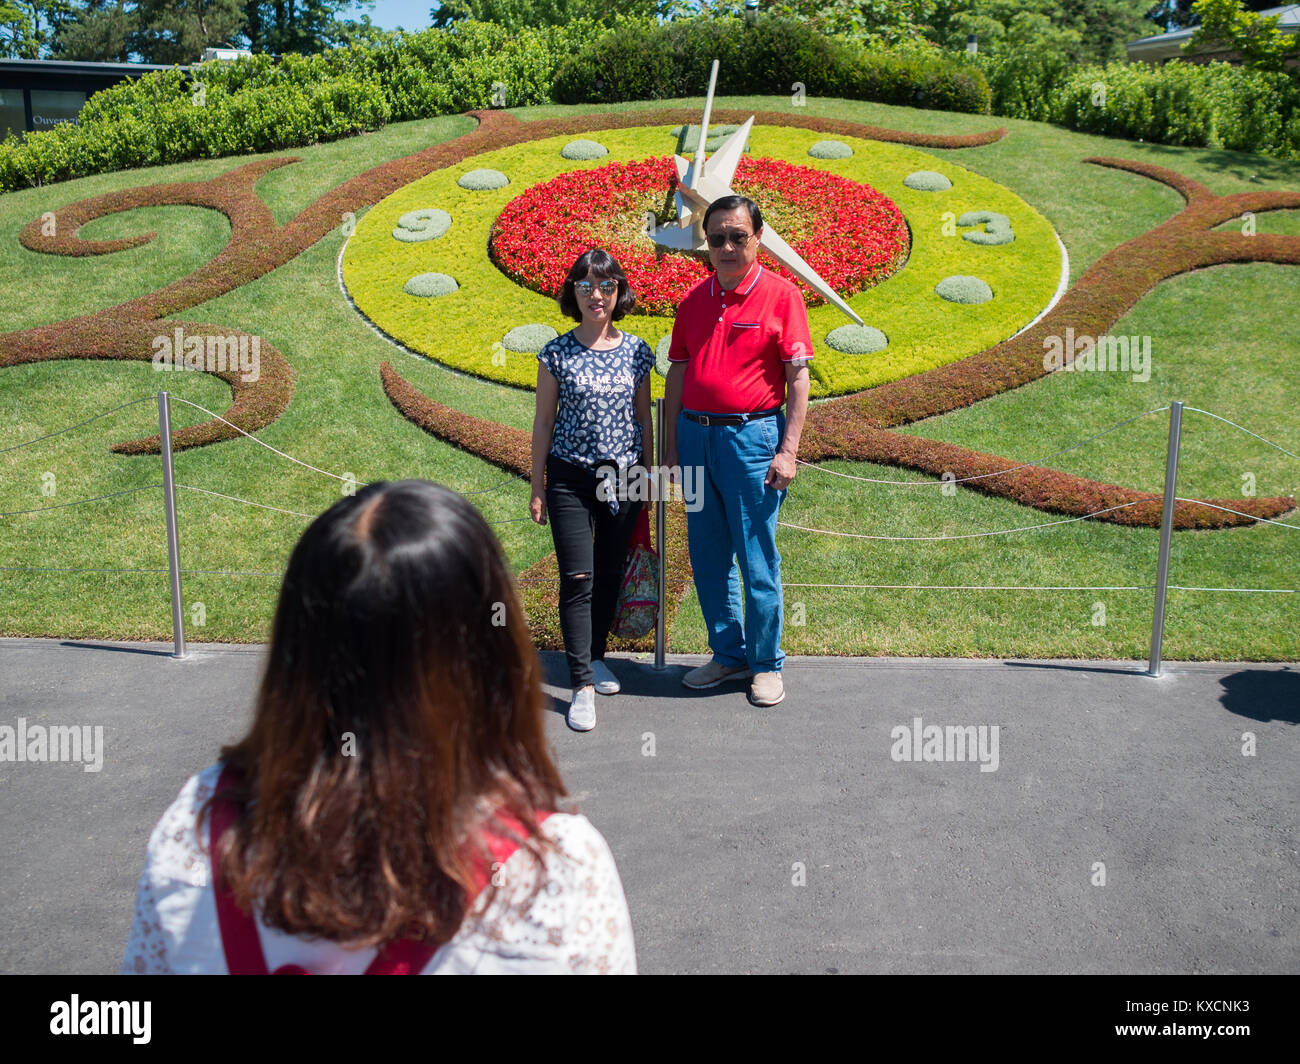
[{"x": 393, "y": 806}]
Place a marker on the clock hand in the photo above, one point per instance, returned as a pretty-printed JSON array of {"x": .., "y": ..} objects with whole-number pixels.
[
  {"x": 705, "y": 180},
  {"x": 790, "y": 259}
]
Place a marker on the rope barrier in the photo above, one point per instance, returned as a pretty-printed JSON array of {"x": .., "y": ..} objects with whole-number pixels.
[
  {"x": 323, "y": 472},
  {"x": 53, "y": 569},
  {"x": 79, "y": 502},
  {"x": 1243, "y": 429},
  {"x": 507, "y": 480},
  {"x": 1253, "y": 517},
  {"x": 1022, "y": 587},
  {"x": 977, "y": 587},
  {"x": 231, "y": 572},
  {"x": 964, "y": 535},
  {"x": 316, "y": 469},
  {"x": 1260, "y": 590},
  {"x": 57, "y": 432},
  {"x": 246, "y": 502},
  {"x": 513, "y": 479},
  {"x": 981, "y": 476},
  {"x": 217, "y": 572}
]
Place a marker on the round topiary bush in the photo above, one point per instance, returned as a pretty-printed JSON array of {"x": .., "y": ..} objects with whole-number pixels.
[
  {"x": 927, "y": 181},
  {"x": 427, "y": 285},
  {"x": 963, "y": 289},
  {"x": 661, "y": 355},
  {"x": 528, "y": 338},
  {"x": 483, "y": 180},
  {"x": 584, "y": 149},
  {"x": 689, "y": 137},
  {"x": 830, "y": 149},
  {"x": 857, "y": 339}
]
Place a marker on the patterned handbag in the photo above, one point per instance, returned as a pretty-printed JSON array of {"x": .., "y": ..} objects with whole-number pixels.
[{"x": 638, "y": 603}]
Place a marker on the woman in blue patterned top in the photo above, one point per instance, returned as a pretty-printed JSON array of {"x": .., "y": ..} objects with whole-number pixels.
[{"x": 592, "y": 425}]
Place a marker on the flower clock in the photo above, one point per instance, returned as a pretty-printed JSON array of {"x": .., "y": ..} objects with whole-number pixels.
[{"x": 906, "y": 264}]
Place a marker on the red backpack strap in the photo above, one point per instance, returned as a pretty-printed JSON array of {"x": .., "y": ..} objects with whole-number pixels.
[
  {"x": 239, "y": 941},
  {"x": 501, "y": 846}
]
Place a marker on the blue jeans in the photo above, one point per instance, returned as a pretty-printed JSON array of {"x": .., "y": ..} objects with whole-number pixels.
[{"x": 734, "y": 533}]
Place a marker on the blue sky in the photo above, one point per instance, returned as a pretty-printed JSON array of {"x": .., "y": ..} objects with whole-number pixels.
[{"x": 389, "y": 14}]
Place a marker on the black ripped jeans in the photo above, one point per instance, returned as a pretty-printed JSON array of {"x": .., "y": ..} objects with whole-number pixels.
[{"x": 591, "y": 550}]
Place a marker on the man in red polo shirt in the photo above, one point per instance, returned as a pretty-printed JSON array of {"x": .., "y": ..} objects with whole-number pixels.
[{"x": 740, "y": 348}]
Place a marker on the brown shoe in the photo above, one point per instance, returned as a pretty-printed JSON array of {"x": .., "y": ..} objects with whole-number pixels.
[
  {"x": 714, "y": 673},
  {"x": 767, "y": 689}
]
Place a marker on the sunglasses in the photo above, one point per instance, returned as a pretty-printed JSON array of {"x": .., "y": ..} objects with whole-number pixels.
[
  {"x": 607, "y": 288},
  {"x": 720, "y": 240}
]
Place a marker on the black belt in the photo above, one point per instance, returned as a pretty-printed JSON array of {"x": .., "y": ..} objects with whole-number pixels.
[{"x": 730, "y": 419}]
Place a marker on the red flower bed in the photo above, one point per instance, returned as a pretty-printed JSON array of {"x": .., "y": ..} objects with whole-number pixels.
[{"x": 852, "y": 235}]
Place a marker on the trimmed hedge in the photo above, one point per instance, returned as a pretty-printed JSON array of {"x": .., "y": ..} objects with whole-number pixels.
[
  {"x": 257, "y": 105},
  {"x": 1213, "y": 105},
  {"x": 773, "y": 56}
]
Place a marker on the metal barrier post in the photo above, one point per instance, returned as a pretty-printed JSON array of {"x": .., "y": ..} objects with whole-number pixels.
[
  {"x": 661, "y": 485},
  {"x": 173, "y": 547},
  {"x": 1166, "y": 536}
]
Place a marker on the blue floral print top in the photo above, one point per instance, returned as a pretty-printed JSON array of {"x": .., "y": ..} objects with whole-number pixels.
[{"x": 596, "y": 423}]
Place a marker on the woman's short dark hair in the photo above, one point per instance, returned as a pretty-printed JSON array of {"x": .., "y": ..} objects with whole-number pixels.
[
  {"x": 730, "y": 203},
  {"x": 600, "y": 263},
  {"x": 399, "y": 712}
]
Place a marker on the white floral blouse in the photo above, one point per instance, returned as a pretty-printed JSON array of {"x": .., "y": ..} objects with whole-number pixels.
[{"x": 578, "y": 922}]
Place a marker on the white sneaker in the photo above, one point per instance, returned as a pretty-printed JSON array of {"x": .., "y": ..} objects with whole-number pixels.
[
  {"x": 582, "y": 710},
  {"x": 606, "y": 682}
]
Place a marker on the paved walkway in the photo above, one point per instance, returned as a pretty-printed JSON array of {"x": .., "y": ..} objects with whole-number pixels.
[{"x": 778, "y": 840}]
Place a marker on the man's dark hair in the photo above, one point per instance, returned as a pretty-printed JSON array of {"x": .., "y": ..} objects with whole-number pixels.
[
  {"x": 598, "y": 263},
  {"x": 730, "y": 203}
]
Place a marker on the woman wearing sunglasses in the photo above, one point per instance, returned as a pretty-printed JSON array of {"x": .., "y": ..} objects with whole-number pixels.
[{"x": 591, "y": 439}]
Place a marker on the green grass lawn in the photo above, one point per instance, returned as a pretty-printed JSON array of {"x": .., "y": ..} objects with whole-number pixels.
[{"x": 1222, "y": 339}]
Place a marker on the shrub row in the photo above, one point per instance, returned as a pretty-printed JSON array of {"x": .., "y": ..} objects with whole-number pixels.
[
  {"x": 255, "y": 104},
  {"x": 1214, "y": 105},
  {"x": 771, "y": 56}
]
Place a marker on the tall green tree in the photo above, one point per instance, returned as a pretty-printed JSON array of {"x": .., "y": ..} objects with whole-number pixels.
[
  {"x": 521, "y": 14},
  {"x": 1261, "y": 45},
  {"x": 28, "y": 27},
  {"x": 100, "y": 31},
  {"x": 177, "y": 31},
  {"x": 1177, "y": 14},
  {"x": 364, "y": 32},
  {"x": 305, "y": 26},
  {"x": 874, "y": 21},
  {"x": 1080, "y": 30}
]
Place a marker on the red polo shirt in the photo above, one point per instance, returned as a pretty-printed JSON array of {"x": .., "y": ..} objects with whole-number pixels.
[{"x": 735, "y": 344}]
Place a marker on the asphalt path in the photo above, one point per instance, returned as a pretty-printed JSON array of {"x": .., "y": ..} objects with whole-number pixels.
[{"x": 1121, "y": 823}]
